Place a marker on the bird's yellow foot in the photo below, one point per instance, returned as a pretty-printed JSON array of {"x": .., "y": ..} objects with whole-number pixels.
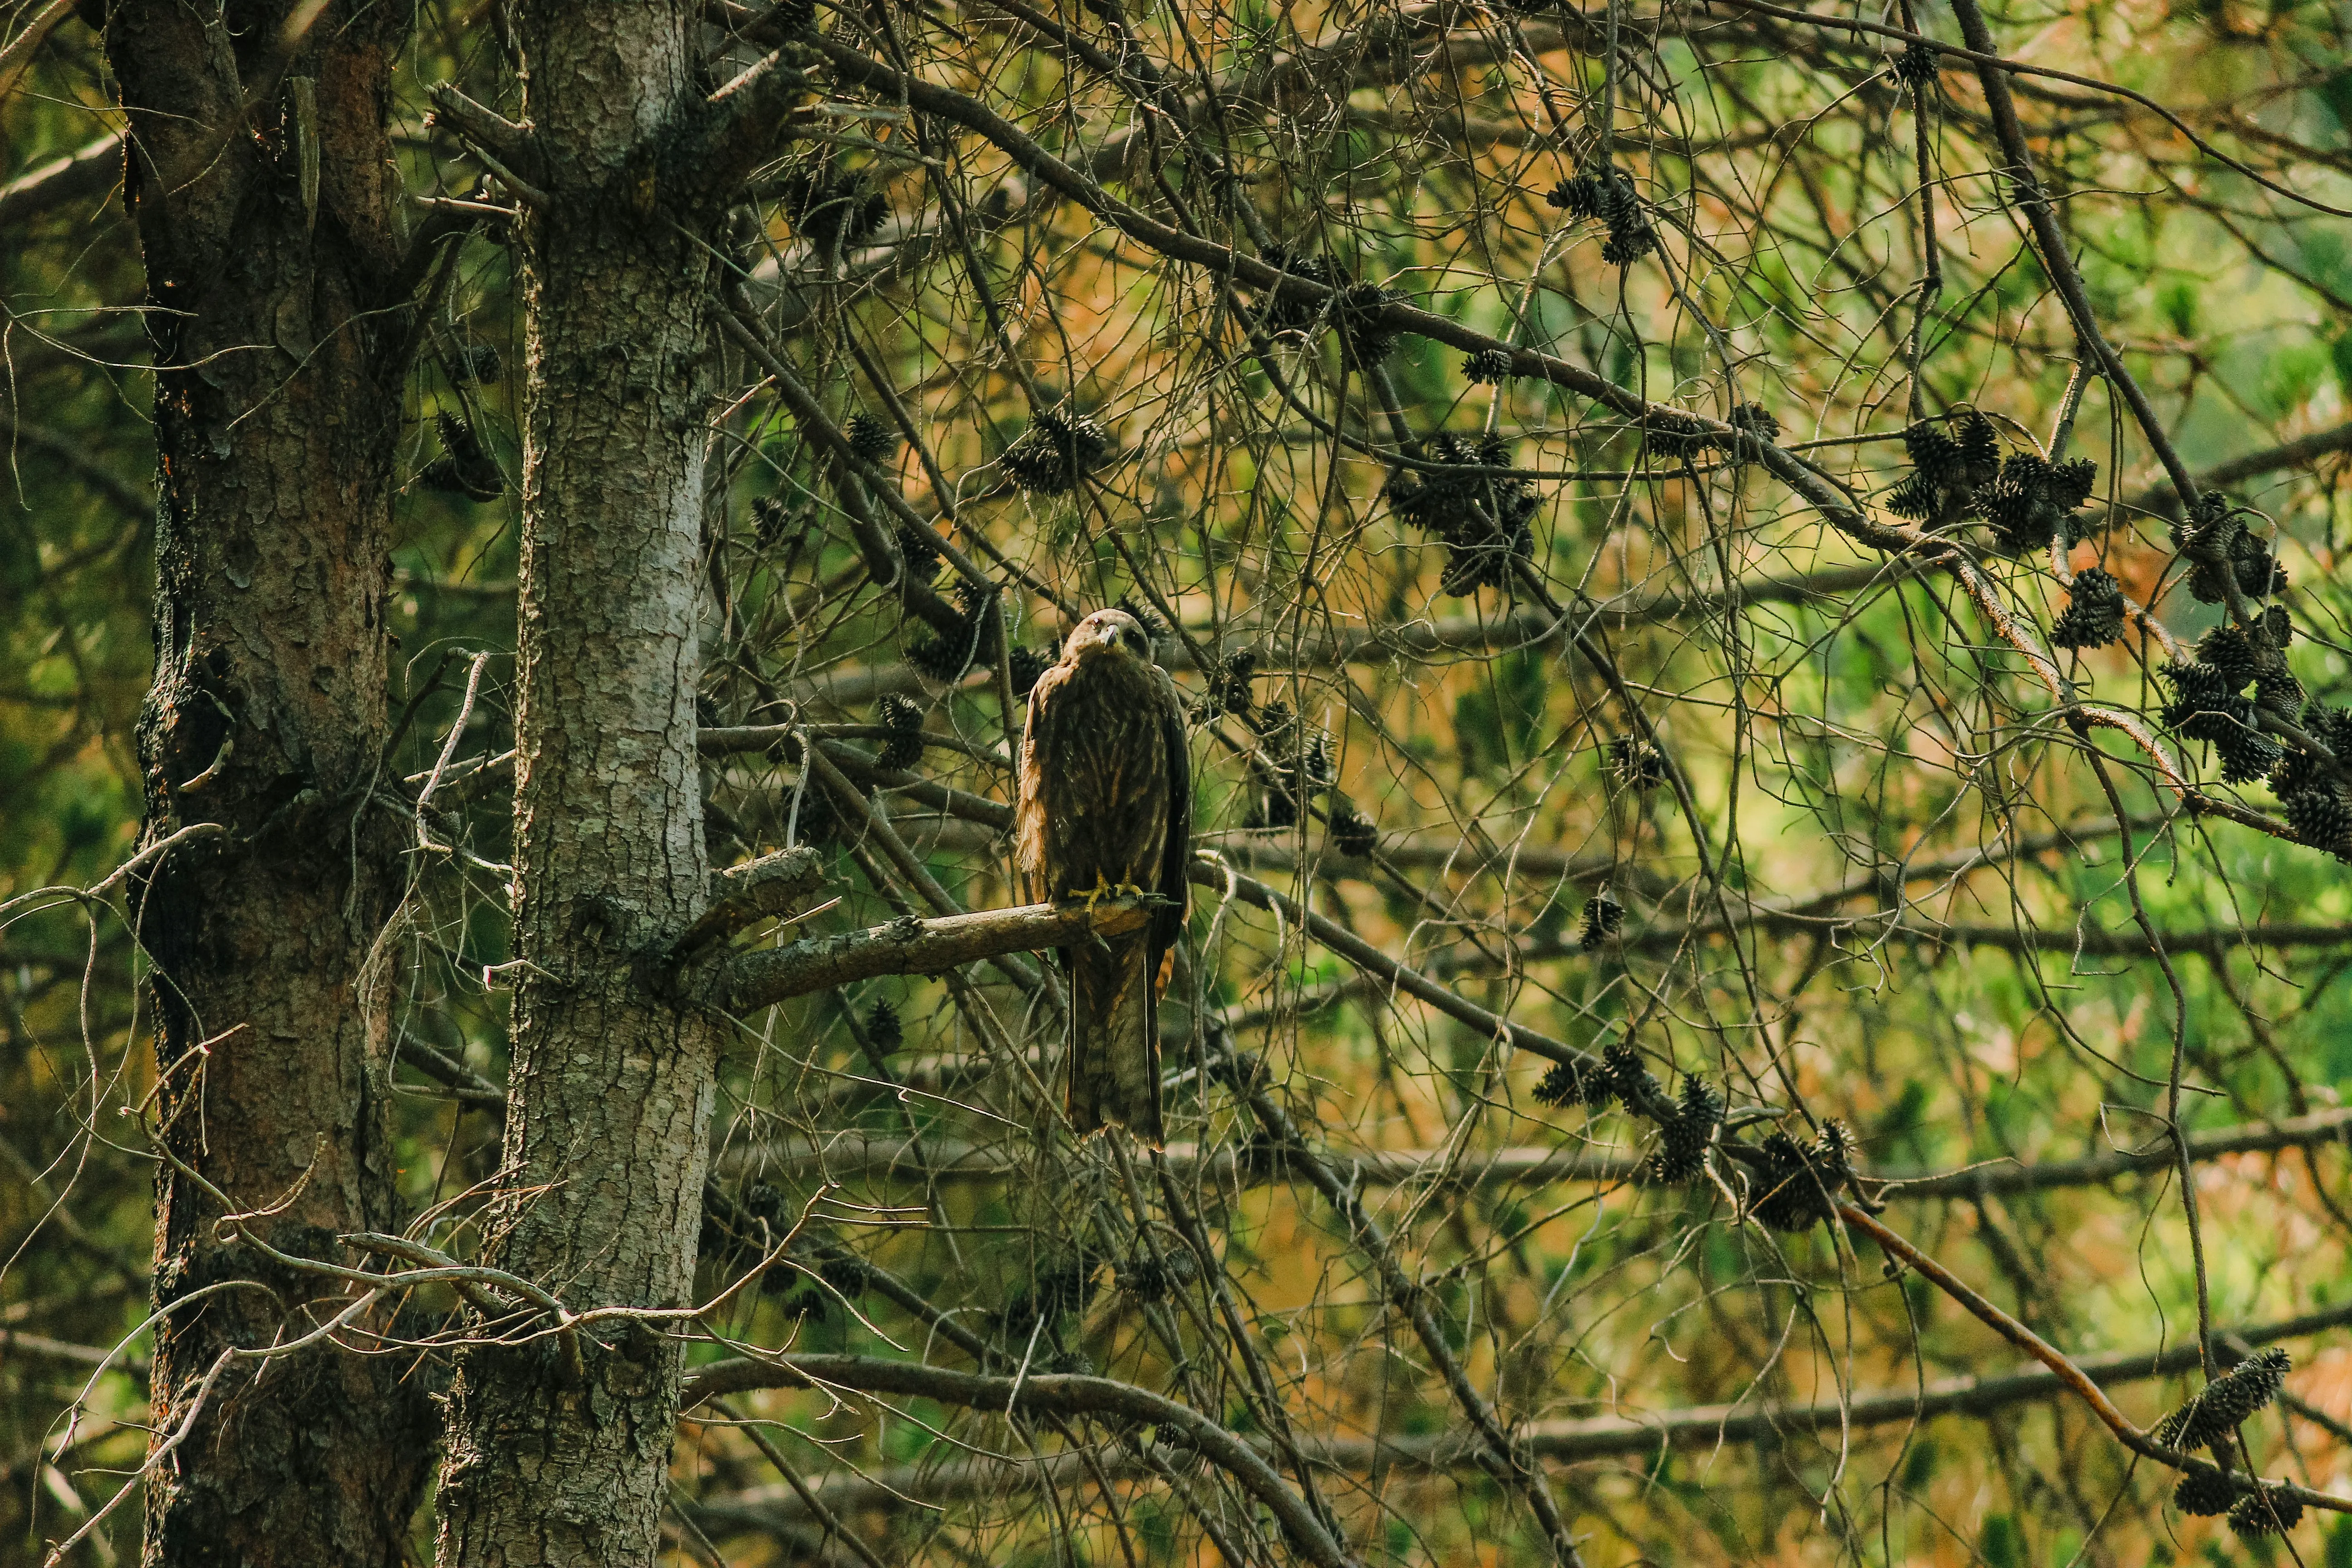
[{"x": 1101, "y": 889}]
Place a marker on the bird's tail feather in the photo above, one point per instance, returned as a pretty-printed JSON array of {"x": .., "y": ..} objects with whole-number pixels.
[{"x": 1114, "y": 1040}]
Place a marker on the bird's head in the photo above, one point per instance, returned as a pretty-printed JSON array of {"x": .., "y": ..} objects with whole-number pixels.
[{"x": 1112, "y": 634}]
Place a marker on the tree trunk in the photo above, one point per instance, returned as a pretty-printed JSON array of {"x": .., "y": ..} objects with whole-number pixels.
[
  {"x": 278, "y": 410},
  {"x": 610, "y": 1085}
]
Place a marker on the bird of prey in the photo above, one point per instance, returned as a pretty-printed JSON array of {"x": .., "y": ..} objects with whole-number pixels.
[{"x": 1105, "y": 804}]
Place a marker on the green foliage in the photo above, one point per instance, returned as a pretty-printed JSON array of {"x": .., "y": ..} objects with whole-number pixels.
[{"x": 2000, "y": 1542}]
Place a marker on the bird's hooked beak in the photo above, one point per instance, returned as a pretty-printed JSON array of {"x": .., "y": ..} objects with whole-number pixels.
[{"x": 1109, "y": 637}]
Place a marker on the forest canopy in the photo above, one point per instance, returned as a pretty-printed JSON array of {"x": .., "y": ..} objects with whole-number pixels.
[{"x": 1766, "y": 682}]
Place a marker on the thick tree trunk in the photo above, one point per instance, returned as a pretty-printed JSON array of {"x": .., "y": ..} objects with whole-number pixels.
[
  {"x": 610, "y": 1085},
  {"x": 277, "y": 411}
]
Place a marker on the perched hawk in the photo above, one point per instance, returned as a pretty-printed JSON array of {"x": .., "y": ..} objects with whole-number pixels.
[{"x": 1105, "y": 801}]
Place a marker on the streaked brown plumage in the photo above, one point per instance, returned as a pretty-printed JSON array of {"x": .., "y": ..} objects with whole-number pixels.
[{"x": 1106, "y": 800}]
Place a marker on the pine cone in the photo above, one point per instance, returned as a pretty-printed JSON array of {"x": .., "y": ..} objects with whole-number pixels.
[
  {"x": 2204, "y": 1493},
  {"x": 1753, "y": 418},
  {"x": 477, "y": 363},
  {"x": 1352, "y": 833},
  {"x": 1674, "y": 434},
  {"x": 1980, "y": 449},
  {"x": 466, "y": 467},
  {"x": 2247, "y": 755},
  {"x": 1637, "y": 764},
  {"x": 2227, "y": 1401},
  {"x": 2230, "y": 652},
  {"x": 2296, "y": 773},
  {"x": 2264, "y": 1512},
  {"x": 2333, "y": 726},
  {"x": 2205, "y": 705},
  {"x": 771, "y": 521},
  {"x": 870, "y": 439},
  {"x": 1795, "y": 1186},
  {"x": 882, "y": 1027},
  {"x": 2094, "y": 613},
  {"x": 846, "y": 1273},
  {"x": 1916, "y": 65},
  {"x": 2071, "y": 482},
  {"x": 1628, "y": 245},
  {"x": 2209, "y": 530},
  {"x": 1028, "y": 664},
  {"x": 1683, "y": 1140},
  {"x": 1362, "y": 338},
  {"x": 1564, "y": 1084},
  {"x": 2320, "y": 819},
  {"x": 971, "y": 646},
  {"x": 1297, "y": 315},
  {"x": 1487, "y": 365},
  {"x": 1230, "y": 691},
  {"x": 1579, "y": 196},
  {"x": 1056, "y": 1285},
  {"x": 918, "y": 548},
  {"x": 2016, "y": 502},
  {"x": 1485, "y": 516},
  {"x": 1145, "y": 1278},
  {"x": 1604, "y": 916},
  {"x": 1935, "y": 454},
  {"x": 903, "y": 715},
  {"x": 1629, "y": 1079},
  {"x": 1054, "y": 451},
  {"x": 1834, "y": 1151},
  {"x": 1914, "y": 498}
]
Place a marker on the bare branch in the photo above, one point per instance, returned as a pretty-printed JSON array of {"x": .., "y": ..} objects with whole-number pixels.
[{"x": 919, "y": 947}]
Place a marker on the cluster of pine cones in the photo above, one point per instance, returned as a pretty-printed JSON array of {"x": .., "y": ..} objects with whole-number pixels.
[
  {"x": 466, "y": 467},
  {"x": 1673, "y": 434},
  {"x": 972, "y": 645},
  {"x": 1683, "y": 1138},
  {"x": 1606, "y": 191},
  {"x": 1054, "y": 451},
  {"x": 2210, "y": 703},
  {"x": 2027, "y": 499},
  {"x": 1487, "y": 365},
  {"x": 1290, "y": 768},
  {"x": 1619, "y": 1077},
  {"x": 1353, "y": 313},
  {"x": 2093, "y": 616},
  {"x": 1058, "y": 1284},
  {"x": 903, "y": 717},
  {"x": 833, "y": 211},
  {"x": 1484, "y": 515},
  {"x": 1604, "y": 917},
  {"x": 1637, "y": 764},
  {"x": 1795, "y": 1186},
  {"x": 2209, "y": 1419},
  {"x": 2215, "y": 538},
  {"x": 1792, "y": 1186}
]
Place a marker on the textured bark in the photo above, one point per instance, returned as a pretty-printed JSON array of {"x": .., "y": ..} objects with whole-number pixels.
[
  {"x": 276, "y": 413},
  {"x": 611, "y": 1084}
]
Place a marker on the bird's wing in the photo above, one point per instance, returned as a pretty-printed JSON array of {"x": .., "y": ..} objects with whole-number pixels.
[
  {"x": 1176, "y": 855},
  {"x": 1029, "y": 836}
]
